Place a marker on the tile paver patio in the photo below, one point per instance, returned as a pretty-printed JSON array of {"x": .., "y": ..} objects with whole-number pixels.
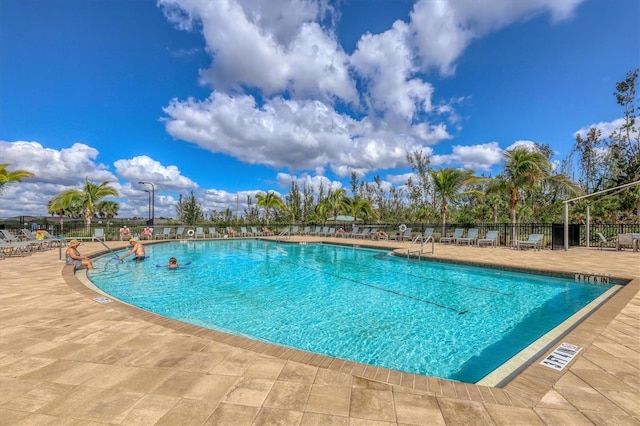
[{"x": 65, "y": 359}]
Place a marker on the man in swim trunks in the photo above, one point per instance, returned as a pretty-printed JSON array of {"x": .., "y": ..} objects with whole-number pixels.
[{"x": 137, "y": 249}]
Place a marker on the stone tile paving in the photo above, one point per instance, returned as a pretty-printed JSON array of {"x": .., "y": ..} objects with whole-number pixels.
[{"x": 65, "y": 359}]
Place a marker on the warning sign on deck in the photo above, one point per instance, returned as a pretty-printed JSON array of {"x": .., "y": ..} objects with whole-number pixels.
[{"x": 561, "y": 356}]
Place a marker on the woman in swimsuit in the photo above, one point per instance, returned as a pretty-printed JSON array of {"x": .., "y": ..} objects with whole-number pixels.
[{"x": 73, "y": 256}]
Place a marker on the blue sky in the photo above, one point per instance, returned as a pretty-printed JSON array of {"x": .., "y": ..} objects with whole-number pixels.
[{"x": 231, "y": 97}]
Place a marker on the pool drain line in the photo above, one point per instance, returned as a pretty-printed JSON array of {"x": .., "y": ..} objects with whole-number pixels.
[
  {"x": 458, "y": 311},
  {"x": 436, "y": 279},
  {"x": 379, "y": 288}
]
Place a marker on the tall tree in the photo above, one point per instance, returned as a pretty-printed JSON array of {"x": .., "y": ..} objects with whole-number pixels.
[
  {"x": 7, "y": 177},
  {"x": 188, "y": 210},
  {"x": 270, "y": 201},
  {"x": 333, "y": 204},
  {"x": 359, "y": 208},
  {"x": 87, "y": 198},
  {"x": 107, "y": 209},
  {"x": 448, "y": 184},
  {"x": 526, "y": 169}
]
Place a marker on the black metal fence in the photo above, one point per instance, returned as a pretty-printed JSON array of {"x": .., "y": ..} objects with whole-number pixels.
[{"x": 553, "y": 233}]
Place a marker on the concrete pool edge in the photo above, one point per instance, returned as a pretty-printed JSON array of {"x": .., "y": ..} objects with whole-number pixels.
[{"x": 514, "y": 393}]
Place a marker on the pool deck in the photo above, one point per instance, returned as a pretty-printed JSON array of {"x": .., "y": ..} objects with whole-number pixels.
[{"x": 66, "y": 359}]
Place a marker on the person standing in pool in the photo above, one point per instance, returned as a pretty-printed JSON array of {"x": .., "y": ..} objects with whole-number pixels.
[{"x": 137, "y": 249}]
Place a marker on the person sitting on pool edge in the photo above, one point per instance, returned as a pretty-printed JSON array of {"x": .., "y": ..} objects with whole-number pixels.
[
  {"x": 73, "y": 256},
  {"x": 136, "y": 248}
]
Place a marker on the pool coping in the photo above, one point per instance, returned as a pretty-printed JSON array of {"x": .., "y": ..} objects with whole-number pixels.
[{"x": 524, "y": 389}]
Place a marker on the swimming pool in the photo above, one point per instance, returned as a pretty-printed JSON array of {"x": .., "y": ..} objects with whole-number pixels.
[{"x": 430, "y": 318}]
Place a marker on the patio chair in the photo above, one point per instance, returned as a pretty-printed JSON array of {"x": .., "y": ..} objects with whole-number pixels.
[
  {"x": 316, "y": 232},
  {"x": 406, "y": 234},
  {"x": 243, "y": 231},
  {"x": 535, "y": 241},
  {"x": 602, "y": 240},
  {"x": 166, "y": 233},
  {"x": 354, "y": 231},
  {"x": 254, "y": 231},
  {"x": 98, "y": 234},
  {"x": 199, "y": 232},
  {"x": 471, "y": 238},
  {"x": 491, "y": 238},
  {"x": 364, "y": 234},
  {"x": 9, "y": 238},
  {"x": 625, "y": 240},
  {"x": 426, "y": 236},
  {"x": 213, "y": 233},
  {"x": 179, "y": 233},
  {"x": 457, "y": 233},
  {"x": 307, "y": 230}
]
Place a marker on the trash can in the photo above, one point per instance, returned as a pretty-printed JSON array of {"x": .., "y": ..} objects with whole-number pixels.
[{"x": 557, "y": 236}]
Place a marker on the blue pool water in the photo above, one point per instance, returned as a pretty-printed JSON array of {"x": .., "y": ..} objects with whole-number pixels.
[{"x": 430, "y": 318}]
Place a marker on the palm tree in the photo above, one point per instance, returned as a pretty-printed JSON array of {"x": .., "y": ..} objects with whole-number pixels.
[
  {"x": 7, "y": 177},
  {"x": 448, "y": 184},
  {"x": 526, "y": 169},
  {"x": 270, "y": 201},
  {"x": 359, "y": 208},
  {"x": 88, "y": 198},
  {"x": 333, "y": 204}
]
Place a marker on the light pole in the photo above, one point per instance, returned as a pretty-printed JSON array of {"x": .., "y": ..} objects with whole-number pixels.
[
  {"x": 153, "y": 201},
  {"x": 148, "y": 191}
]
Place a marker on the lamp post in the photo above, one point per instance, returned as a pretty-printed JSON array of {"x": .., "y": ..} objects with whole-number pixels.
[
  {"x": 153, "y": 201},
  {"x": 148, "y": 191}
]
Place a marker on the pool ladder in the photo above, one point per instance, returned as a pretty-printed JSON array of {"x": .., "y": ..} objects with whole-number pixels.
[{"x": 422, "y": 241}]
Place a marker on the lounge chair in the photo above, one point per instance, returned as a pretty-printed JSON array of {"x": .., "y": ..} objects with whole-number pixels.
[
  {"x": 457, "y": 233},
  {"x": 317, "y": 231},
  {"x": 331, "y": 232},
  {"x": 294, "y": 230},
  {"x": 325, "y": 231},
  {"x": 364, "y": 234},
  {"x": 213, "y": 233},
  {"x": 243, "y": 231},
  {"x": 535, "y": 241},
  {"x": 404, "y": 235},
  {"x": 491, "y": 238},
  {"x": 471, "y": 238},
  {"x": 98, "y": 234},
  {"x": 166, "y": 233},
  {"x": 625, "y": 240},
  {"x": 307, "y": 230},
  {"x": 425, "y": 237},
  {"x": 31, "y": 237},
  {"x": 179, "y": 233},
  {"x": 32, "y": 244},
  {"x": 254, "y": 231},
  {"x": 199, "y": 232},
  {"x": 602, "y": 240},
  {"x": 354, "y": 232}
]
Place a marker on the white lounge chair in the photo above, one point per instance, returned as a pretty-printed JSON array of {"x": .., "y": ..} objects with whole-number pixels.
[
  {"x": 426, "y": 236},
  {"x": 98, "y": 234},
  {"x": 535, "y": 241},
  {"x": 166, "y": 233},
  {"x": 199, "y": 232},
  {"x": 457, "y": 233},
  {"x": 404, "y": 235},
  {"x": 179, "y": 233},
  {"x": 213, "y": 233},
  {"x": 471, "y": 237},
  {"x": 491, "y": 238}
]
